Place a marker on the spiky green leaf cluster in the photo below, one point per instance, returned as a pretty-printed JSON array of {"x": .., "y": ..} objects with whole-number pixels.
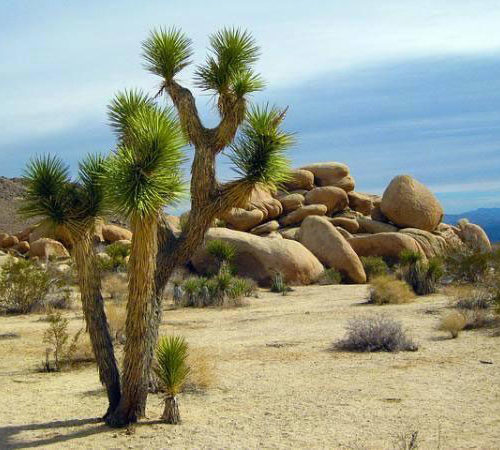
[
  {"x": 172, "y": 369},
  {"x": 228, "y": 69},
  {"x": 167, "y": 52},
  {"x": 258, "y": 153},
  {"x": 143, "y": 175}
]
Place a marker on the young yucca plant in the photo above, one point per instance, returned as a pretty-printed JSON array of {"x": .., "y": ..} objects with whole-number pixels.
[
  {"x": 172, "y": 371},
  {"x": 222, "y": 251}
]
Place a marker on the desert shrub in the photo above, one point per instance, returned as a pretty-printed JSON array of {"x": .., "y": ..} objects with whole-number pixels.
[
  {"x": 330, "y": 276},
  {"x": 115, "y": 284},
  {"x": 386, "y": 289},
  {"x": 243, "y": 287},
  {"x": 469, "y": 266},
  {"x": 471, "y": 297},
  {"x": 117, "y": 252},
  {"x": 375, "y": 334},
  {"x": 24, "y": 286},
  {"x": 202, "y": 371},
  {"x": 63, "y": 349},
  {"x": 374, "y": 266},
  {"x": 172, "y": 371},
  {"x": 453, "y": 323},
  {"x": 60, "y": 299},
  {"x": 279, "y": 285},
  {"x": 116, "y": 316},
  {"x": 421, "y": 276},
  {"x": 223, "y": 252}
]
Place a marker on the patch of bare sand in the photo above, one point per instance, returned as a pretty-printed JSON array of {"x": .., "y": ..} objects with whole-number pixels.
[{"x": 277, "y": 386}]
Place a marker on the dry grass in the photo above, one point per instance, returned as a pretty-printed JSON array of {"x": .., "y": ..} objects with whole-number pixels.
[
  {"x": 386, "y": 289},
  {"x": 115, "y": 285},
  {"x": 202, "y": 375},
  {"x": 83, "y": 352},
  {"x": 453, "y": 323},
  {"x": 116, "y": 315}
]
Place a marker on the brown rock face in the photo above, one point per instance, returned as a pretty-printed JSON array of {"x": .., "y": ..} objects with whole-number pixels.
[
  {"x": 432, "y": 244},
  {"x": 24, "y": 235},
  {"x": 57, "y": 233},
  {"x": 291, "y": 202},
  {"x": 242, "y": 220},
  {"x": 23, "y": 247},
  {"x": 260, "y": 258},
  {"x": 360, "y": 202},
  {"x": 389, "y": 245},
  {"x": 113, "y": 233},
  {"x": 409, "y": 204},
  {"x": 301, "y": 179},
  {"x": 319, "y": 236},
  {"x": 300, "y": 214},
  {"x": 46, "y": 248},
  {"x": 328, "y": 173},
  {"x": 345, "y": 234},
  {"x": 262, "y": 200},
  {"x": 8, "y": 241},
  {"x": 378, "y": 215},
  {"x": 474, "y": 236},
  {"x": 290, "y": 233},
  {"x": 266, "y": 228},
  {"x": 367, "y": 225},
  {"x": 334, "y": 198},
  {"x": 346, "y": 223}
]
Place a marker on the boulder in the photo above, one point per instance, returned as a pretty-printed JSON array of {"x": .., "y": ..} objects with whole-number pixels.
[
  {"x": 22, "y": 247},
  {"x": 371, "y": 226},
  {"x": 360, "y": 202},
  {"x": 334, "y": 198},
  {"x": 47, "y": 248},
  {"x": 431, "y": 244},
  {"x": 266, "y": 228},
  {"x": 328, "y": 173},
  {"x": 377, "y": 214},
  {"x": 272, "y": 235},
  {"x": 474, "y": 236},
  {"x": 291, "y": 202},
  {"x": 388, "y": 245},
  {"x": 260, "y": 258},
  {"x": 409, "y": 204},
  {"x": 242, "y": 220},
  {"x": 300, "y": 179},
  {"x": 112, "y": 233},
  {"x": 347, "y": 183},
  {"x": 351, "y": 225},
  {"x": 9, "y": 241},
  {"x": 319, "y": 236},
  {"x": 290, "y": 233},
  {"x": 46, "y": 230},
  {"x": 262, "y": 200},
  {"x": 24, "y": 235},
  {"x": 301, "y": 213},
  {"x": 344, "y": 232}
]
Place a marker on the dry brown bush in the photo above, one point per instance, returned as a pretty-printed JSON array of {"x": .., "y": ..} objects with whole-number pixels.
[
  {"x": 115, "y": 285},
  {"x": 453, "y": 323},
  {"x": 386, "y": 289},
  {"x": 202, "y": 375}
]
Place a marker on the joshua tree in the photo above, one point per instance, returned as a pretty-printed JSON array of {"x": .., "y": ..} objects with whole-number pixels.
[
  {"x": 74, "y": 207},
  {"x": 258, "y": 156},
  {"x": 172, "y": 371}
]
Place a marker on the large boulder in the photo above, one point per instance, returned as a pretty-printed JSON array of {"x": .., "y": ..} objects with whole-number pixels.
[
  {"x": 432, "y": 244},
  {"x": 262, "y": 200},
  {"x": 334, "y": 198},
  {"x": 22, "y": 247},
  {"x": 112, "y": 233},
  {"x": 260, "y": 258},
  {"x": 242, "y": 220},
  {"x": 371, "y": 226},
  {"x": 409, "y": 204},
  {"x": 300, "y": 179},
  {"x": 266, "y": 228},
  {"x": 24, "y": 235},
  {"x": 46, "y": 230},
  {"x": 291, "y": 202},
  {"x": 474, "y": 236},
  {"x": 8, "y": 241},
  {"x": 331, "y": 174},
  {"x": 322, "y": 238},
  {"x": 360, "y": 202},
  {"x": 301, "y": 213},
  {"x": 48, "y": 248},
  {"x": 290, "y": 233},
  {"x": 347, "y": 223},
  {"x": 388, "y": 245}
]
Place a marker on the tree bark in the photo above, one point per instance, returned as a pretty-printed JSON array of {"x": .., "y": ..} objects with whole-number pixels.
[
  {"x": 171, "y": 413},
  {"x": 93, "y": 309},
  {"x": 139, "y": 317}
]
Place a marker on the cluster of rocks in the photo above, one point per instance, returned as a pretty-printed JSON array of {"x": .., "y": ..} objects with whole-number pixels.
[{"x": 320, "y": 222}]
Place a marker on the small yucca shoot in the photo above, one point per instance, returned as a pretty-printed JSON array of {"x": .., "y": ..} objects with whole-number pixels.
[{"x": 172, "y": 371}]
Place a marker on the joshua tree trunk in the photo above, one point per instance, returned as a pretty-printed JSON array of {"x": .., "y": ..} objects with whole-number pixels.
[
  {"x": 95, "y": 317},
  {"x": 139, "y": 315},
  {"x": 171, "y": 412}
]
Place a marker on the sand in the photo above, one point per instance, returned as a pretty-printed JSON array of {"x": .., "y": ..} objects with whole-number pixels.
[{"x": 277, "y": 386}]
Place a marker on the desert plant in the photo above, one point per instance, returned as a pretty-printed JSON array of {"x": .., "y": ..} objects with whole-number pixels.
[
  {"x": 469, "y": 266},
  {"x": 242, "y": 287},
  {"x": 172, "y": 371},
  {"x": 223, "y": 252},
  {"x": 386, "y": 289},
  {"x": 375, "y": 334},
  {"x": 374, "y": 266},
  {"x": 117, "y": 253},
  {"x": 202, "y": 370},
  {"x": 24, "y": 286},
  {"x": 453, "y": 323},
  {"x": 421, "y": 276},
  {"x": 330, "y": 276},
  {"x": 279, "y": 285}
]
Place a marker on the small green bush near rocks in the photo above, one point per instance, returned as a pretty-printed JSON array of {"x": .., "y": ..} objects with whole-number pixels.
[
  {"x": 421, "y": 276},
  {"x": 330, "y": 276},
  {"x": 374, "y": 266}
]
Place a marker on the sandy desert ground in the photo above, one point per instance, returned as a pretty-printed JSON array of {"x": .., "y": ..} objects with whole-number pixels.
[{"x": 277, "y": 386}]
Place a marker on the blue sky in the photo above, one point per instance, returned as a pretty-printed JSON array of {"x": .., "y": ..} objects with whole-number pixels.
[{"x": 387, "y": 87}]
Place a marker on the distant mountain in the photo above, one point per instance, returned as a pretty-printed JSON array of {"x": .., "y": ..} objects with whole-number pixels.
[{"x": 488, "y": 218}]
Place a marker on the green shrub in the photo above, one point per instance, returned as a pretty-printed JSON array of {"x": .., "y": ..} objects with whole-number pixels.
[
  {"x": 386, "y": 289},
  {"x": 330, "y": 276},
  {"x": 421, "y": 276},
  {"x": 24, "y": 286},
  {"x": 469, "y": 266},
  {"x": 374, "y": 266},
  {"x": 224, "y": 253},
  {"x": 117, "y": 252}
]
